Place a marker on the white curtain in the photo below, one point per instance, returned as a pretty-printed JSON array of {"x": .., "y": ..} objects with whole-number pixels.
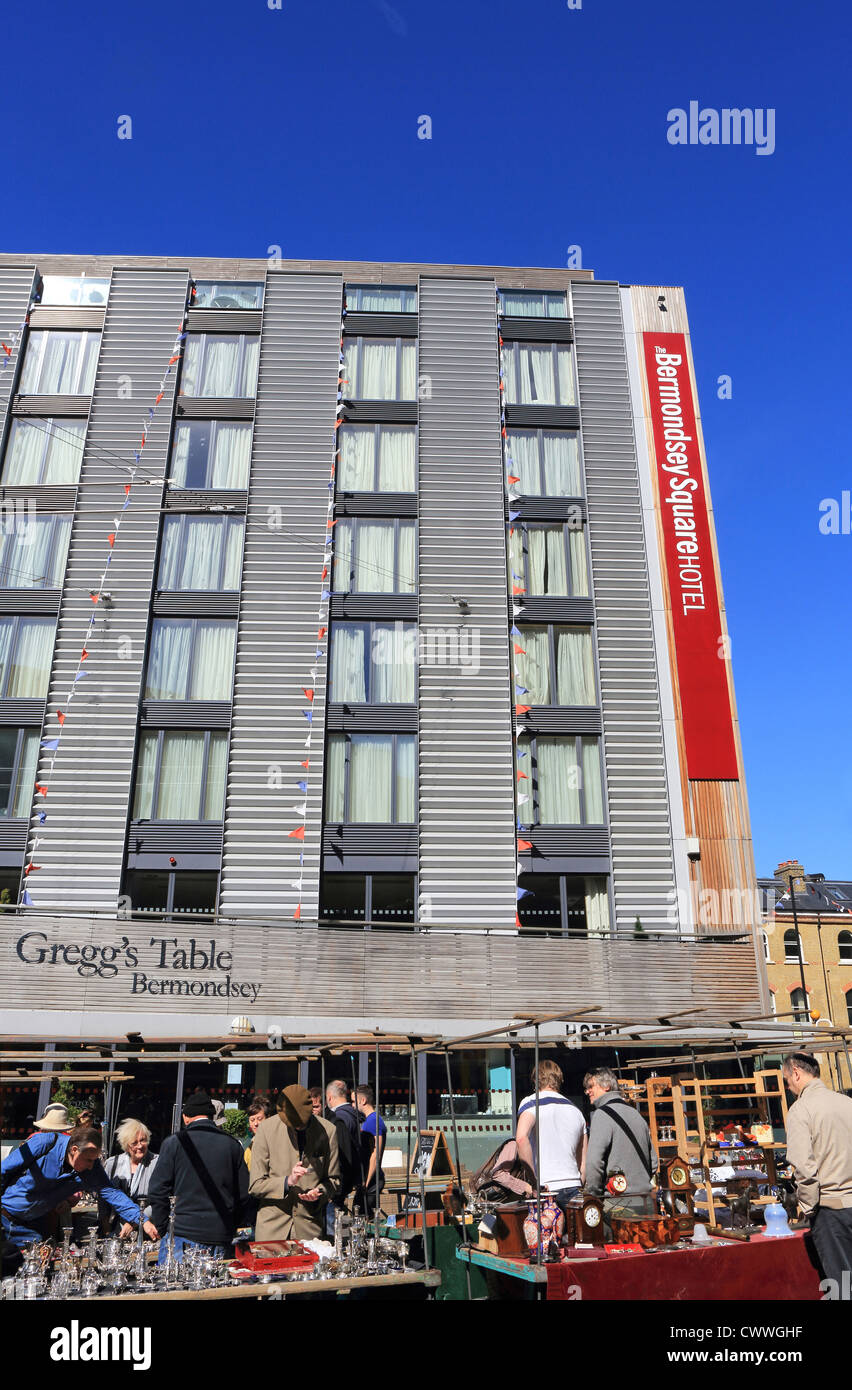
[
  {"x": 392, "y": 666},
  {"x": 548, "y": 573},
  {"x": 64, "y": 451},
  {"x": 59, "y": 363},
  {"x": 143, "y": 798},
  {"x": 248, "y": 382},
  {"x": 335, "y": 764},
  {"x": 374, "y": 558},
  {"x": 217, "y": 766},
  {"x": 558, "y": 782},
  {"x": 7, "y": 626},
  {"x": 532, "y": 668},
  {"x": 579, "y": 565},
  {"x": 168, "y": 663},
  {"x": 378, "y": 371},
  {"x": 28, "y": 678},
  {"x": 379, "y": 300},
  {"x": 342, "y": 576},
  {"x": 575, "y": 667},
  {"x": 190, "y": 365},
  {"x": 405, "y": 810},
  {"x": 370, "y": 786},
  {"x": 408, "y": 370},
  {"x": 356, "y": 469},
  {"x": 519, "y": 304},
  {"x": 592, "y": 781},
  {"x": 407, "y": 564},
  {"x": 234, "y": 533},
  {"x": 510, "y": 377},
  {"x": 396, "y": 459},
  {"x": 516, "y": 556},
  {"x": 523, "y": 462},
  {"x": 566, "y": 376},
  {"x": 221, "y": 364},
  {"x": 192, "y": 553},
  {"x": 22, "y": 795},
  {"x": 231, "y": 457},
  {"x": 213, "y": 661},
  {"x": 24, "y": 454},
  {"x": 181, "y": 768},
  {"x": 597, "y": 906},
  {"x": 348, "y": 663},
  {"x": 538, "y": 386},
  {"x": 33, "y": 552},
  {"x": 561, "y": 465}
]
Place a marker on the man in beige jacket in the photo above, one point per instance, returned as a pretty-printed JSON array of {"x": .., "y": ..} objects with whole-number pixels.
[
  {"x": 294, "y": 1170},
  {"x": 819, "y": 1148}
]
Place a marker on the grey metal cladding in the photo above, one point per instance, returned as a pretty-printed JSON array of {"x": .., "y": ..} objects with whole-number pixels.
[
  {"x": 82, "y": 842},
  {"x": 466, "y": 780},
  {"x": 16, "y": 287},
  {"x": 292, "y": 453},
  {"x": 640, "y": 827}
]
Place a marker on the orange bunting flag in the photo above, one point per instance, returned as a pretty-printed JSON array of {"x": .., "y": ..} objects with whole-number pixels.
[
  {"x": 513, "y": 478},
  {"x": 500, "y": 340},
  {"x": 111, "y": 539},
  {"x": 32, "y": 868},
  {"x": 517, "y": 920},
  {"x": 174, "y": 359},
  {"x": 308, "y": 693},
  {"x": 297, "y": 915},
  {"x": 321, "y": 633},
  {"x": 329, "y": 524},
  {"x": 518, "y": 589},
  {"x": 42, "y": 788},
  {"x": 324, "y": 574},
  {"x": 524, "y": 845},
  {"x": 522, "y": 709},
  {"x": 95, "y": 598},
  {"x": 84, "y": 654},
  {"x": 127, "y": 489},
  {"x": 305, "y": 763},
  {"x": 522, "y": 777},
  {"x": 142, "y": 445},
  {"x": 61, "y": 717},
  {"x": 298, "y": 834},
  {"x": 503, "y": 432},
  {"x": 519, "y": 651},
  {"x": 159, "y": 398}
]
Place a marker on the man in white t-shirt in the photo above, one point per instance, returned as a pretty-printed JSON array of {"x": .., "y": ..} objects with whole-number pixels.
[{"x": 563, "y": 1137}]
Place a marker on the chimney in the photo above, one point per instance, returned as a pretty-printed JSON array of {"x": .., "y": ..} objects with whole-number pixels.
[{"x": 789, "y": 872}]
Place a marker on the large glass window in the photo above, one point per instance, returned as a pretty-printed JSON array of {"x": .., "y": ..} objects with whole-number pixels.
[
  {"x": 534, "y": 304},
  {"x": 376, "y": 458},
  {"x": 791, "y": 945},
  {"x": 565, "y": 777},
  {"x": 844, "y": 943},
  {"x": 373, "y": 663},
  {"x": 381, "y": 299},
  {"x": 546, "y": 462},
  {"x": 555, "y": 665},
  {"x": 370, "y": 778},
  {"x": 33, "y": 551},
  {"x": 388, "y": 900},
  {"x": 374, "y": 557},
  {"x": 538, "y": 374},
  {"x": 192, "y": 893},
  {"x": 26, "y": 648},
  {"x": 564, "y": 904},
  {"x": 211, "y": 454},
  {"x": 800, "y": 1004},
  {"x": 227, "y": 294},
  {"x": 59, "y": 363},
  {"x": 202, "y": 552},
  {"x": 18, "y": 760},
  {"x": 190, "y": 659},
  {"x": 180, "y": 775},
  {"x": 76, "y": 291},
  {"x": 217, "y": 364},
  {"x": 47, "y": 452},
  {"x": 549, "y": 561},
  {"x": 380, "y": 369}
]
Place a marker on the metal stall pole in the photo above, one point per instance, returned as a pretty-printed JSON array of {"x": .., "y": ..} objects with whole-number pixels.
[
  {"x": 322, "y": 1079},
  {"x": 420, "y": 1094},
  {"x": 408, "y": 1131},
  {"x": 537, "y": 1152},
  {"x": 363, "y": 1186},
  {"x": 377, "y": 1149},
  {"x": 465, "y": 1240},
  {"x": 181, "y": 1068},
  {"x": 513, "y": 1082}
]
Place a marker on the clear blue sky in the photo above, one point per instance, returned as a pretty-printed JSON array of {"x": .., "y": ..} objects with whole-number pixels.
[{"x": 298, "y": 127}]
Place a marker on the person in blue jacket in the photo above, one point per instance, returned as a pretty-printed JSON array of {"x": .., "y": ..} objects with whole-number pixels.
[{"x": 51, "y": 1168}]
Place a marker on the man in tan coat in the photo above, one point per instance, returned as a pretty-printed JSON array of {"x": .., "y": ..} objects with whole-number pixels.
[
  {"x": 294, "y": 1170},
  {"x": 819, "y": 1148}
]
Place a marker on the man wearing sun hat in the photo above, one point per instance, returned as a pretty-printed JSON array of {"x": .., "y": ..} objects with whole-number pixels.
[{"x": 295, "y": 1170}]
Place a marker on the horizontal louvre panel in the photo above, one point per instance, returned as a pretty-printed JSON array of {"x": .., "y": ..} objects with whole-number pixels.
[
  {"x": 562, "y": 719},
  {"x": 215, "y": 408},
  {"x": 548, "y": 508},
  {"x": 45, "y": 499},
  {"x": 567, "y": 839},
  {"x": 174, "y": 838},
  {"x": 223, "y": 321},
  {"x": 381, "y": 412},
  {"x": 396, "y": 607},
  {"x": 637, "y": 790},
  {"x": 192, "y": 603},
  {"x": 185, "y": 499},
  {"x": 370, "y": 839},
  {"x": 537, "y": 330},
  {"x": 376, "y": 504},
  {"x": 373, "y": 718},
  {"x": 92, "y": 320},
  {"x": 59, "y": 406},
  {"x": 29, "y": 601},
  {"x": 381, "y": 325},
  {"x": 186, "y": 714},
  {"x": 556, "y": 610},
  {"x": 13, "y": 834},
  {"x": 21, "y": 712},
  {"x": 550, "y": 417}
]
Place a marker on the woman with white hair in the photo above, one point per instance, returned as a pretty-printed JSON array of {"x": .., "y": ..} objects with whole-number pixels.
[{"x": 130, "y": 1171}]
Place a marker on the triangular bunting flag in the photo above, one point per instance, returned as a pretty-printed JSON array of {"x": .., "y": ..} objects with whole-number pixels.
[
  {"x": 50, "y": 743},
  {"x": 519, "y": 651},
  {"x": 297, "y": 834},
  {"x": 303, "y": 786},
  {"x": 308, "y": 692},
  {"x": 524, "y": 845},
  {"x": 306, "y": 762},
  {"x": 26, "y": 900},
  {"x": 297, "y": 915},
  {"x": 522, "y": 709}
]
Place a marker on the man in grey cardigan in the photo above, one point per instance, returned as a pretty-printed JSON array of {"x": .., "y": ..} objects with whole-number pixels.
[{"x": 619, "y": 1142}]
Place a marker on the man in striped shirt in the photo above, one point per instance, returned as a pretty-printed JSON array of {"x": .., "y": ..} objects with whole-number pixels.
[{"x": 563, "y": 1139}]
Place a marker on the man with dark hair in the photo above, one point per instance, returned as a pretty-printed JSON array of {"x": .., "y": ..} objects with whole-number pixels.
[
  {"x": 819, "y": 1149},
  {"x": 350, "y": 1148},
  {"x": 203, "y": 1168},
  {"x": 51, "y": 1168},
  {"x": 374, "y": 1133},
  {"x": 619, "y": 1142}
]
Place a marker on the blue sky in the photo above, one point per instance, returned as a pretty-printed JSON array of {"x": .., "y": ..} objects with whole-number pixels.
[{"x": 298, "y": 127}]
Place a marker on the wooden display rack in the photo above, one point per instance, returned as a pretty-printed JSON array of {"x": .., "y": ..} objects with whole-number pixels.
[{"x": 691, "y": 1106}]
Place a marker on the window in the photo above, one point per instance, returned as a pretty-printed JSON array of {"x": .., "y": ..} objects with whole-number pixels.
[
  {"x": 45, "y": 452},
  {"x": 374, "y": 557},
  {"x": 563, "y": 779},
  {"x": 211, "y": 454},
  {"x": 565, "y": 904},
  {"x": 373, "y": 664},
  {"x": 547, "y": 462},
  {"x": 549, "y": 561},
  {"x": 849, "y": 1005},
  {"x": 376, "y": 458},
  {"x": 26, "y": 647},
  {"x": 767, "y": 955},
  {"x": 800, "y": 1006},
  {"x": 382, "y": 899},
  {"x": 190, "y": 659},
  {"x": 380, "y": 369},
  {"x": 381, "y": 299},
  {"x": 370, "y": 778},
  {"x": 157, "y": 893},
  {"x": 18, "y": 760},
  {"x": 534, "y": 304},
  {"x": 216, "y": 364},
  {"x": 76, "y": 291},
  {"x": 202, "y": 552},
  {"x": 538, "y": 374},
  {"x": 180, "y": 775},
  {"x": 58, "y": 363},
  {"x": 227, "y": 294},
  {"x": 556, "y": 665},
  {"x": 33, "y": 551},
  {"x": 791, "y": 945},
  {"x": 844, "y": 942}
]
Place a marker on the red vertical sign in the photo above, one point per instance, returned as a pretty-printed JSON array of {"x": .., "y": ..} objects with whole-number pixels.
[{"x": 701, "y": 673}]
